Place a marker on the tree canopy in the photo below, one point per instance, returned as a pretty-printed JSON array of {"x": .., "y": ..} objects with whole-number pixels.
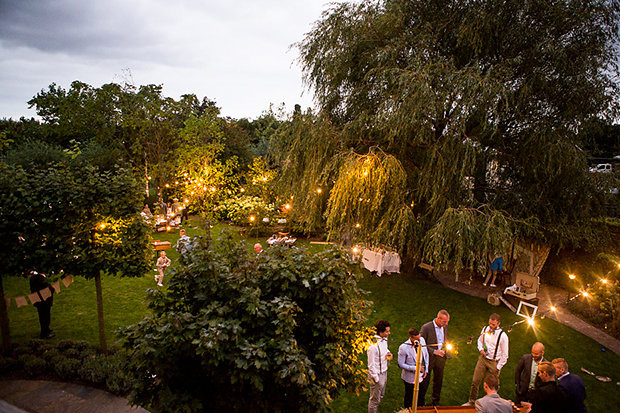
[{"x": 459, "y": 105}]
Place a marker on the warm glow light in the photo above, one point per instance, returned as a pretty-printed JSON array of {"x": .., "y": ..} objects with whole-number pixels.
[
  {"x": 264, "y": 179},
  {"x": 176, "y": 182},
  {"x": 357, "y": 225},
  {"x": 242, "y": 190},
  {"x": 252, "y": 218},
  {"x": 571, "y": 276},
  {"x": 553, "y": 308},
  {"x": 102, "y": 226},
  {"x": 167, "y": 186},
  {"x": 585, "y": 294},
  {"x": 185, "y": 174},
  {"x": 365, "y": 173},
  {"x": 449, "y": 347},
  {"x": 319, "y": 190},
  {"x": 186, "y": 201},
  {"x": 604, "y": 280},
  {"x": 356, "y": 250},
  {"x": 212, "y": 189},
  {"x": 149, "y": 178},
  {"x": 287, "y": 206},
  {"x": 530, "y": 321}
]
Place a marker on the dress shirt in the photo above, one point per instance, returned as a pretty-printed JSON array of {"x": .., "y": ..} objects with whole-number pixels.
[
  {"x": 377, "y": 360},
  {"x": 439, "y": 334},
  {"x": 533, "y": 372},
  {"x": 407, "y": 354},
  {"x": 488, "y": 340}
]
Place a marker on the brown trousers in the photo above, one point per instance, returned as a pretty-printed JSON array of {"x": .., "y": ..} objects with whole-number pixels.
[{"x": 484, "y": 366}]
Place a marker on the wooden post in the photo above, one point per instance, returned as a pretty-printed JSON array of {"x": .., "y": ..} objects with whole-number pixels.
[{"x": 416, "y": 386}]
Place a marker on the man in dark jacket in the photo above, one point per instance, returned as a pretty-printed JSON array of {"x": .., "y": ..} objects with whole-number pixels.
[
  {"x": 548, "y": 397},
  {"x": 572, "y": 385},
  {"x": 45, "y": 293},
  {"x": 435, "y": 334},
  {"x": 526, "y": 377}
]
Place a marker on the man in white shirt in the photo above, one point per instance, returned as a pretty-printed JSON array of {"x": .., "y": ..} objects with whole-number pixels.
[
  {"x": 407, "y": 357},
  {"x": 378, "y": 357},
  {"x": 493, "y": 347}
]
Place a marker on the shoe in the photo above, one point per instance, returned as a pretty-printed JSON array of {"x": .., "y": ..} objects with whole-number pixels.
[
  {"x": 160, "y": 284},
  {"x": 50, "y": 335},
  {"x": 493, "y": 285},
  {"x": 485, "y": 284}
]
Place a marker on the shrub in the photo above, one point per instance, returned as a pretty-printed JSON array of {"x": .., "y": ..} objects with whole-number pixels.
[
  {"x": 283, "y": 329},
  {"x": 239, "y": 210}
]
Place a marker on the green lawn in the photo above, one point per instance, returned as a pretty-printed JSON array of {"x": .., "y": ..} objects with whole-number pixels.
[{"x": 402, "y": 299}]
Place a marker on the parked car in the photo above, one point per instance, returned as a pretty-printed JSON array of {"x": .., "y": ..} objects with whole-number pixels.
[{"x": 602, "y": 167}]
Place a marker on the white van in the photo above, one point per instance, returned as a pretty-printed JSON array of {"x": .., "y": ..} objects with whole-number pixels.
[{"x": 602, "y": 167}]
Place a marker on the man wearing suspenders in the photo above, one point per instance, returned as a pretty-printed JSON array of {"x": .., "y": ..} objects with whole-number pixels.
[{"x": 493, "y": 347}]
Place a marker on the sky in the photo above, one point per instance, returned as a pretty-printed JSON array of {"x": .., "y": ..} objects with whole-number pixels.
[{"x": 235, "y": 52}]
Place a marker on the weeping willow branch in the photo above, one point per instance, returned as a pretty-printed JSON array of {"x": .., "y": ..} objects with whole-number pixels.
[
  {"x": 368, "y": 201},
  {"x": 467, "y": 236}
]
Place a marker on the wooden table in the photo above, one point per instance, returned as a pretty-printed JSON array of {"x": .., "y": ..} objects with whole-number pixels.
[{"x": 161, "y": 245}]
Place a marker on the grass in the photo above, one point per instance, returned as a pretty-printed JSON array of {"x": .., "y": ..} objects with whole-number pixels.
[
  {"x": 404, "y": 300},
  {"x": 409, "y": 302}
]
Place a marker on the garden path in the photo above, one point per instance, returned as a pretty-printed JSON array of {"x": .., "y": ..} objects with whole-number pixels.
[
  {"x": 548, "y": 296},
  {"x": 39, "y": 396}
]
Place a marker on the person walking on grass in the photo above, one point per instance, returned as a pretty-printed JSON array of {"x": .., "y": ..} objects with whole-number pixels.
[
  {"x": 435, "y": 333},
  {"x": 162, "y": 263}
]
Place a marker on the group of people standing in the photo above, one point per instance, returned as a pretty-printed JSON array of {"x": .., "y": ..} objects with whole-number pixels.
[{"x": 535, "y": 377}]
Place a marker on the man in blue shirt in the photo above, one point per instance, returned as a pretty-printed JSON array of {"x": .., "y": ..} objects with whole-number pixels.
[
  {"x": 572, "y": 385},
  {"x": 407, "y": 354}
]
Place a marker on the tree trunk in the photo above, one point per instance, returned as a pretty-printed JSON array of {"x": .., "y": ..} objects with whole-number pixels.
[
  {"x": 102, "y": 341},
  {"x": 4, "y": 322}
]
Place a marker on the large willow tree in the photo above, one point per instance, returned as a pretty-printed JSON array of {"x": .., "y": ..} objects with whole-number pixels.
[{"x": 468, "y": 114}]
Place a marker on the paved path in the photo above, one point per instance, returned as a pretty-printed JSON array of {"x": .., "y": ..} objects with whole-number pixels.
[
  {"x": 38, "y": 396},
  {"x": 548, "y": 296}
]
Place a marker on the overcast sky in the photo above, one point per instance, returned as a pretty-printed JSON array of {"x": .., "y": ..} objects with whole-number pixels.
[{"x": 235, "y": 52}]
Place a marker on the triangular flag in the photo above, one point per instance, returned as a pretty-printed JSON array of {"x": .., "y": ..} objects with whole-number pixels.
[
  {"x": 34, "y": 298},
  {"x": 21, "y": 301},
  {"x": 8, "y": 302},
  {"x": 45, "y": 293},
  {"x": 56, "y": 287},
  {"x": 67, "y": 280}
]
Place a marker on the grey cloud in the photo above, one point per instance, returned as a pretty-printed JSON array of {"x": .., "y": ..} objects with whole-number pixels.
[{"x": 72, "y": 27}]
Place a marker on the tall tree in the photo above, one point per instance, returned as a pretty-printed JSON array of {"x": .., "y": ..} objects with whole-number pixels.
[
  {"x": 478, "y": 103},
  {"x": 72, "y": 211}
]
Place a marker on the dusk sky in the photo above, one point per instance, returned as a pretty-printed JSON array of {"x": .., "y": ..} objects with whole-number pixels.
[{"x": 235, "y": 52}]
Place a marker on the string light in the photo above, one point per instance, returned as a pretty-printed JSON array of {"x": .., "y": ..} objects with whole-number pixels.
[
  {"x": 102, "y": 226},
  {"x": 553, "y": 308},
  {"x": 572, "y": 276},
  {"x": 287, "y": 206},
  {"x": 530, "y": 321},
  {"x": 585, "y": 294},
  {"x": 167, "y": 186},
  {"x": 604, "y": 280},
  {"x": 357, "y": 225},
  {"x": 319, "y": 190},
  {"x": 355, "y": 250},
  {"x": 252, "y": 218},
  {"x": 449, "y": 347}
]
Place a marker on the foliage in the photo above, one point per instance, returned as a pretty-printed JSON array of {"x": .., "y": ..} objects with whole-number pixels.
[
  {"x": 70, "y": 215},
  {"x": 283, "y": 329},
  {"x": 481, "y": 103},
  {"x": 241, "y": 209},
  {"x": 68, "y": 360}
]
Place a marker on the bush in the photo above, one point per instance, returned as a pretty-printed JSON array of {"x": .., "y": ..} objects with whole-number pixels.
[
  {"x": 70, "y": 360},
  {"x": 284, "y": 329},
  {"x": 239, "y": 210}
]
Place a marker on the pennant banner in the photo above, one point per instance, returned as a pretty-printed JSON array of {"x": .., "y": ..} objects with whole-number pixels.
[
  {"x": 21, "y": 301},
  {"x": 67, "y": 280},
  {"x": 34, "y": 298},
  {"x": 45, "y": 293},
  {"x": 56, "y": 287}
]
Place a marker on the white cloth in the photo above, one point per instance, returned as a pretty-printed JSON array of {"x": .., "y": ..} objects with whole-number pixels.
[
  {"x": 487, "y": 342},
  {"x": 377, "y": 358},
  {"x": 380, "y": 261}
]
